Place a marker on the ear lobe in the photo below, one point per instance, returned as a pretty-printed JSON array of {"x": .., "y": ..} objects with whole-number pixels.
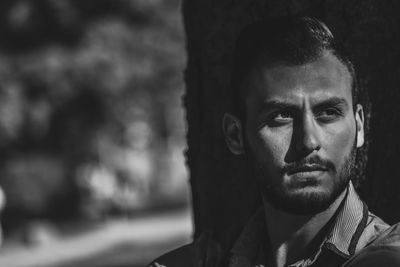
[
  {"x": 359, "y": 116},
  {"x": 232, "y": 128}
]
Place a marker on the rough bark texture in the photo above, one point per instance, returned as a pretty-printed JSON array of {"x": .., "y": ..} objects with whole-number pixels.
[{"x": 224, "y": 192}]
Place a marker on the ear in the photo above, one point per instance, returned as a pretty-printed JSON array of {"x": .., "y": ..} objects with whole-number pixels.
[
  {"x": 359, "y": 115},
  {"x": 232, "y": 128}
]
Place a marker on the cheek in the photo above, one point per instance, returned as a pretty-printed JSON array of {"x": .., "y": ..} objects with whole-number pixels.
[
  {"x": 273, "y": 144},
  {"x": 341, "y": 140}
]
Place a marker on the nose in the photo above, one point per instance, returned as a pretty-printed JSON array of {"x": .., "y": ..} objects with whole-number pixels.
[{"x": 308, "y": 139}]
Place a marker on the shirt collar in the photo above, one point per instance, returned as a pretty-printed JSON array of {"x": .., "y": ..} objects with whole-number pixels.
[
  {"x": 342, "y": 238},
  {"x": 348, "y": 225}
]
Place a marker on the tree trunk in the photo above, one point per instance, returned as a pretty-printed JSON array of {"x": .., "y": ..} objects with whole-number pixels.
[{"x": 223, "y": 188}]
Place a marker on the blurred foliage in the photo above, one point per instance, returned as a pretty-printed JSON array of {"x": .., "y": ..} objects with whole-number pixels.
[{"x": 90, "y": 109}]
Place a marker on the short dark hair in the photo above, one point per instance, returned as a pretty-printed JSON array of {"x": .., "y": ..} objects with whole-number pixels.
[{"x": 288, "y": 41}]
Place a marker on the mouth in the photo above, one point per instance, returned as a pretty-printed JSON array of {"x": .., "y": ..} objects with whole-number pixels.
[{"x": 307, "y": 169}]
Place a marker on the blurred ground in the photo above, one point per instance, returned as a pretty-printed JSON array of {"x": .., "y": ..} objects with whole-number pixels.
[{"x": 113, "y": 243}]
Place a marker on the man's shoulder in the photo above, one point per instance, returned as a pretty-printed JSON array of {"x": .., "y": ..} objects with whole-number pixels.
[
  {"x": 182, "y": 256},
  {"x": 388, "y": 239},
  {"x": 384, "y": 250},
  {"x": 204, "y": 251}
]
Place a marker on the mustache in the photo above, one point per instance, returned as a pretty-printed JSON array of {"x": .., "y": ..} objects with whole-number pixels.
[{"x": 309, "y": 164}]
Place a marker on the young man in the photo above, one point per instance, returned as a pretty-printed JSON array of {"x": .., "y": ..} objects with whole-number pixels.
[{"x": 298, "y": 123}]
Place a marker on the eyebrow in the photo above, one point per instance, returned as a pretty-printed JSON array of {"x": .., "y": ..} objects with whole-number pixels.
[
  {"x": 332, "y": 102},
  {"x": 277, "y": 104}
]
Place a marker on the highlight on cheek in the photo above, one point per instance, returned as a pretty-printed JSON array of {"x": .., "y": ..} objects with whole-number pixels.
[{"x": 275, "y": 138}]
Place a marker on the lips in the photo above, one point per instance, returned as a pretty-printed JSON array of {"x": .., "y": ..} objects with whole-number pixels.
[{"x": 308, "y": 168}]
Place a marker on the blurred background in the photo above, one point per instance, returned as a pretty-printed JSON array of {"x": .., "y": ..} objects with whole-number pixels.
[{"x": 92, "y": 132}]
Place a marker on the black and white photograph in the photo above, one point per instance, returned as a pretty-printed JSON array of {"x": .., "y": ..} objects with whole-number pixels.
[{"x": 208, "y": 133}]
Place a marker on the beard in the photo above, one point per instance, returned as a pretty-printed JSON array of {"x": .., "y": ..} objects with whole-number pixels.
[{"x": 306, "y": 202}]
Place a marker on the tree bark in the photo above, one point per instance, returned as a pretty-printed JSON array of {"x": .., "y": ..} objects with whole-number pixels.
[{"x": 224, "y": 192}]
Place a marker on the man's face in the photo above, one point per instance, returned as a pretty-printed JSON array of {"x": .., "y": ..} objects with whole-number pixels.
[{"x": 300, "y": 133}]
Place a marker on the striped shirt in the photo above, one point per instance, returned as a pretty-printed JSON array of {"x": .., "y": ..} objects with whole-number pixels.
[
  {"x": 354, "y": 238},
  {"x": 352, "y": 229}
]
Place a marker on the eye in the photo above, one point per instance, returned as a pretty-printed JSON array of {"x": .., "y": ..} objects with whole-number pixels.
[
  {"x": 276, "y": 118},
  {"x": 329, "y": 114},
  {"x": 281, "y": 117}
]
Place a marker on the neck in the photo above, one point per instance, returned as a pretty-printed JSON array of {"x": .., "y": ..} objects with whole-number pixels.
[{"x": 294, "y": 237}]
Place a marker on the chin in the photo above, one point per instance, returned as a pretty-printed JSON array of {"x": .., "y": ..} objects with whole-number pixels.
[
  {"x": 305, "y": 203},
  {"x": 305, "y": 199}
]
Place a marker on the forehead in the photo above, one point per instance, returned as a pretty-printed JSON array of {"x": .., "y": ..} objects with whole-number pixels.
[{"x": 324, "y": 77}]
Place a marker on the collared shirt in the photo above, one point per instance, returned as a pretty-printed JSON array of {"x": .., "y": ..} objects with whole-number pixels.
[
  {"x": 353, "y": 228},
  {"x": 355, "y": 238}
]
